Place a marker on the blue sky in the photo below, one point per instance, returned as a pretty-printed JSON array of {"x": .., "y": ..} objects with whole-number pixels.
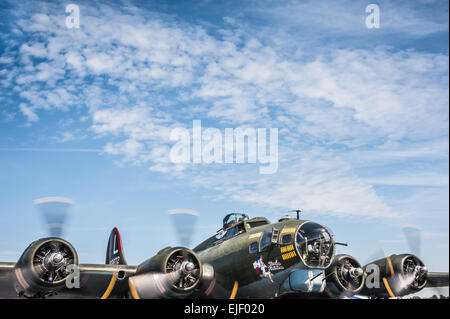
[{"x": 362, "y": 116}]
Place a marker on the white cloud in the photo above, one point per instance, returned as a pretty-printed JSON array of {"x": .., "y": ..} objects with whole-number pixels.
[
  {"x": 411, "y": 179},
  {"x": 66, "y": 137},
  {"x": 388, "y": 92},
  {"x": 8, "y": 116},
  {"x": 324, "y": 18},
  {"x": 38, "y": 23},
  {"x": 130, "y": 148},
  {"x": 37, "y": 50},
  {"x": 28, "y": 112},
  {"x": 6, "y": 60},
  {"x": 316, "y": 182}
]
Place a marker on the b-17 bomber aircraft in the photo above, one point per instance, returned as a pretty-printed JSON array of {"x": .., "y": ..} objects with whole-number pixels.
[{"x": 247, "y": 258}]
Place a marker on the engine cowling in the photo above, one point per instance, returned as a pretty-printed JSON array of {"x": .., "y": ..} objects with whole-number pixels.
[
  {"x": 44, "y": 267},
  {"x": 345, "y": 277},
  {"x": 172, "y": 272},
  {"x": 398, "y": 275}
]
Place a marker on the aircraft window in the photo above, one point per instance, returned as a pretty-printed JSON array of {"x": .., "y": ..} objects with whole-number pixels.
[
  {"x": 315, "y": 245},
  {"x": 253, "y": 248},
  {"x": 233, "y": 218},
  {"x": 231, "y": 232},
  {"x": 221, "y": 234},
  {"x": 266, "y": 239},
  {"x": 236, "y": 230},
  {"x": 286, "y": 239},
  {"x": 257, "y": 223}
]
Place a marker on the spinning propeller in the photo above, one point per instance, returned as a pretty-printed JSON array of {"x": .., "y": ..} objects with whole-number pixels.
[
  {"x": 54, "y": 211},
  {"x": 413, "y": 235},
  {"x": 184, "y": 222}
]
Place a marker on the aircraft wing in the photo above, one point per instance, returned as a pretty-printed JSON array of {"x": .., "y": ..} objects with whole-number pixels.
[
  {"x": 6, "y": 285},
  {"x": 94, "y": 281},
  {"x": 101, "y": 281},
  {"x": 437, "y": 279}
]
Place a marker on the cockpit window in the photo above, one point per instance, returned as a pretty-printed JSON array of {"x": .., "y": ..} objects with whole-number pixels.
[
  {"x": 315, "y": 245},
  {"x": 235, "y": 230},
  {"x": 265, "y": 241},
  {"x": 231, "y": 219},
  {"x": 231, "y": 232}
]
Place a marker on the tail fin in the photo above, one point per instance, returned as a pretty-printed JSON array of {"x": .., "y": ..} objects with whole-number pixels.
[{"x": 114, "y": 252}]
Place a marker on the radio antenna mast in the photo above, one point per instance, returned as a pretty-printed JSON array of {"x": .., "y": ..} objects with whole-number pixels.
[{"x": 298, "y": 211}]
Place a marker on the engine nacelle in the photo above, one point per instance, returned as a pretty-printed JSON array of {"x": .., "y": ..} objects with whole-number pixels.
[
  {"x": 396, "y": 275},
  {"x": 345, "y": 277},
  {"x": 44, "y": 267},
  {"x": 174, "y": 271}
]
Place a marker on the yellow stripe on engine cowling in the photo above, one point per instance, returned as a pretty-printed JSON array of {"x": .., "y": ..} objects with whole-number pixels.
[
  {"x": 388, "y": 288},
  {"x": 111, "y": 285},
  {"x": 234, "y": 292},
  {"x": 133, "y": 291},
  {"x": 390, "y": 266}
]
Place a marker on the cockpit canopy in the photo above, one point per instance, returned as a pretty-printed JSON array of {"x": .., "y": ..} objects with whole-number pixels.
[
  {"x": 233, "y": 218},
  {"x": 315, "y": 245}
]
